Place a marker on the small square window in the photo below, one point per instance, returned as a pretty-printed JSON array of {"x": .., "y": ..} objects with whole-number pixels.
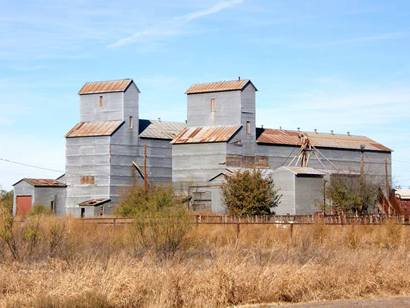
[
  {"x": 101, "y": 102},
  {"x": 213, "y": 105}
]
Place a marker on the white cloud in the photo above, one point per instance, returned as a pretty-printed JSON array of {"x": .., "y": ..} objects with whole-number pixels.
[{"x": 175, "y": 26}]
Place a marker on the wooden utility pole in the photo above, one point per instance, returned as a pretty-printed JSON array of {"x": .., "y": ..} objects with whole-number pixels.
[{"x": 145, "y": 169}]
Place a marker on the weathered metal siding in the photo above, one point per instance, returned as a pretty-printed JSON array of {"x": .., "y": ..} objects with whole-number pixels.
[
  {"x": 123, "y": 151},
  {"x": 115, "y": 106},
  {"x": 285, "y": 182},
  {"x": 86, "y": 156},
  {"x": 197, "y": 163},
  {"x": 126, "y": 147},
  {"x": 228, "y": 109},
  {"x": 159, "y": 160},
  {"x": 22, "y": 189},
  {"x": 308, "y": 195},
  {"x": 45, "y": 195},
  {"x": 345, "y": 160},
  {"x": 131, "y": 106},
  {"x": 248, "y": 113},
  {"x": 112, "y": 109}
]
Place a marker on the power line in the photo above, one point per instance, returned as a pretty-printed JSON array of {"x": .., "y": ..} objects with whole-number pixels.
[{"x": 29, "y": 165}]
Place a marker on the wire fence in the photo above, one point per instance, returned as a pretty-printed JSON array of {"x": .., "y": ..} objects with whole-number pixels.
[{"x": 270, "y": 220}]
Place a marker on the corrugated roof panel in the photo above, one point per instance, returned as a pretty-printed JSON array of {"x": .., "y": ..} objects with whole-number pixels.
[
  {"x": 44, "y": 182},
  {"x": 89, "y": 129},
  {"x": 324, "y": 140},
  {"x": 105, "y": 86},
  {"x": 155, "y": 129},
  {"x": 206, "y": 134},
  {"x": 218, "y": 86}
]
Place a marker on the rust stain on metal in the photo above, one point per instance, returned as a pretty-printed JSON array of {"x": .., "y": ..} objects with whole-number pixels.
[
  {"x": 88, "y": 129},
  {"x": 44, "y": 182},
  {"x": 324, "y": 140},
  {"x": 218, "y": 86},
  {"x": 206, "y": 134},
  {"x": 94, "y": 202},
  {"x": 105, "y": 86}
]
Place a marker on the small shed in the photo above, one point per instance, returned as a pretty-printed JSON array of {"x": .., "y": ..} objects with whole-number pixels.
[
  {"x": 31, "y": 192},
  {"x": 93, "y": 207},
  {"x": 403, "y": 196},
  {"x": 301, "y": 189}
]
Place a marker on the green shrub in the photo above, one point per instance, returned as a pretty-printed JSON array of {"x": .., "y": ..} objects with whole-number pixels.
[
  {"x": 40, "y": 209},
  {"x": 161, "y": 220},
  {"x": 250, "y": 193}
]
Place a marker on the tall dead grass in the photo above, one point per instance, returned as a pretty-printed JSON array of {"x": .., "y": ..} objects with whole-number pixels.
[{"x": 73, "y": 264}]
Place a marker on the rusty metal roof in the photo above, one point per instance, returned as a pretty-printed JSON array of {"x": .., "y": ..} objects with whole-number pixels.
[
  {"x": 90, "y": 129},
  {"x": 321, "y": 140},
  {"x": 42, "y": 182},
  {"x": 219, "y": 86},
  {"x": 94, "y": 202},
  {"x": 157, "y": 129},
  {"x": 206, "y": 134},
  {"x": 105, "y": 86}
]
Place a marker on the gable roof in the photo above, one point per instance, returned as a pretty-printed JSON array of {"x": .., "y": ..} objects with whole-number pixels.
[
  {"x": 42, "y": 182},
  {"x": 105, "y": 86},
  {"x": 206, "y": 134},
  {"x": 219, "y": 86},
  {"x": 320, "y": 140},
  {"x": 156, "y": 129},
  {"x": 93, "y": 129}
]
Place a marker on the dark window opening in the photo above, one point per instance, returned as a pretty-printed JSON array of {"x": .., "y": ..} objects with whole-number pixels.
[
  {"x": 82, "y": 214},
  {"x": 101, "y": 102}
]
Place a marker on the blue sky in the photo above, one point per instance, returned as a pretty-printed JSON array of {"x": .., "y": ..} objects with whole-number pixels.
[{"x": 341, "y": 65}]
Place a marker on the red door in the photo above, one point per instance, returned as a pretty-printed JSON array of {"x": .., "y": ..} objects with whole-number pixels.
[{"x": 23, "y": 205}]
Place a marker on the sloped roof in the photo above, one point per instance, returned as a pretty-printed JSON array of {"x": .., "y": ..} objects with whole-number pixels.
[
  {"x": 321, "y": 140},
  {"x": 42, "y": 182},
  {"x": 156, "y": 129},
  {"x": 206, "y": 134},
  {"x": 94, "y": 202},
  {"x": 92, "y": 129},
  {"x": 302, "y": 170},
  {"x": 105, "y": 86},
  {"x": 219, "y": 86}
]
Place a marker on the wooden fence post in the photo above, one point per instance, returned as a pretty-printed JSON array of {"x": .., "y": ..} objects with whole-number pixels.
[
  {"x": 291, "y": 230},
  {"x": 238, "y": 229}
]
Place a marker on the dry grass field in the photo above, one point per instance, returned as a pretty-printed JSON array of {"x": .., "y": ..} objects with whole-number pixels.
[{"x": 66, "y": 263}]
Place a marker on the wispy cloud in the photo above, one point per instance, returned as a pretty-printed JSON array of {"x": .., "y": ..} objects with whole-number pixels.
[{"x": 174, "y": 26}]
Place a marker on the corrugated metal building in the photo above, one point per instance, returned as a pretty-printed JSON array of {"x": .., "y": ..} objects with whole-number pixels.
[
  {"x": 105, "y": 149},
  {"x": 46, "y": 192},
  {"x": 221, "y": 133}
]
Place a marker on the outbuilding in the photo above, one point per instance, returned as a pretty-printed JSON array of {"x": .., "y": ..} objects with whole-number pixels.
[
  {"x": 301, "y": 189},
  {"x": 31, "y": 192}
]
